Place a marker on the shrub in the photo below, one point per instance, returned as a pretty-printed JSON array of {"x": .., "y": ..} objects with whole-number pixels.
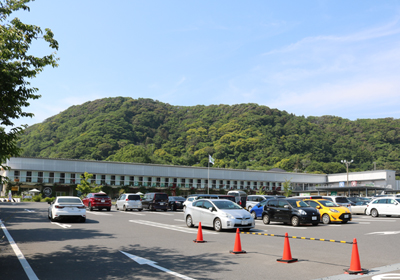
[
  {"x": 48, "y": 199},
  {"x": 37, "y": 198}
]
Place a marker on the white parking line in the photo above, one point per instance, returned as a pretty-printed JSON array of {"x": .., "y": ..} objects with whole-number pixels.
[
  {"x": 170, "y": 227},
  {"x": 279, "y": 226},
  {"x": 159, "y": 213},
  {"x": 178, "y": 220},
  {"x": 378, "y": 220},
  {"x": 25, "y": 265},
  {"x": 61, "y": 225},
  {"x": 99, "y": 213},
  {"x": 133, "y": 213}
]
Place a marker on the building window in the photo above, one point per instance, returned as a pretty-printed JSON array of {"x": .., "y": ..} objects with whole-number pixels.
[
  {"x": 72, "y": 176},
  {"x": 183, "y": 181},
  {"x": 40, "y": 177},
  {"x": 103, "y": 179},
  {"x": 198, "y": 181},
  {"x": 51, "y": 177},
  {"x": 113, "y": 180},
  {"x": 29, "y": 176},
  {"x": 93, "y": 180},
  {"x": 121, "y": 180},
  {"x": 158, "y": 179},
  {"x": 62, "y": 178}
]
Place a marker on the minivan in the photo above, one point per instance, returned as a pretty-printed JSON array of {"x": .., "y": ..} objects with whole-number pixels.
[
  {"x": 240, "y": 196},
  {"x": 154, "y": 201}
]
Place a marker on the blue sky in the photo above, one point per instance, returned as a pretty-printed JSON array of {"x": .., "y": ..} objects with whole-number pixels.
[{"x": 308, "y": 58}]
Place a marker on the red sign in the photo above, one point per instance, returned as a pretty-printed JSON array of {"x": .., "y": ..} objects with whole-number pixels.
[{"x": 354, "y": 183}]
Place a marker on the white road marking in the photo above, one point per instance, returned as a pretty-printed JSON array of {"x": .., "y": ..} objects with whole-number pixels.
[
  {"x": 280, "y": 226},
  {"x": 159, "y": 213},
  {"x": 133, "y": 213},
  {"x": 25, "y": 265},
  {"x": 178, "y": 220},
  {"x": 334, "y": 225},
  {"x": 99, "y": 213},
  {"x": 29, "y": 210},
  {"x": 372, "y": 271},
  {"x": 384, "y": 233},
  {"x": 379, "y": 220},
  {"x": 61, "y": 225},
  {"x": 386, "y": 276},
  {"x": 141, "y": 261},
  {"x": 363, "y": 223},
  {"x": 170, "y": 227}
]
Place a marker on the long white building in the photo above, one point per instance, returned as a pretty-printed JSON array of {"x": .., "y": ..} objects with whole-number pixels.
[{"x": 62, "y": 175}]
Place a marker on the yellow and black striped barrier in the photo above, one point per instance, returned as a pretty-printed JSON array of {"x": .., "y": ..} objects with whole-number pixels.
[{"x": 297, "y": 237}]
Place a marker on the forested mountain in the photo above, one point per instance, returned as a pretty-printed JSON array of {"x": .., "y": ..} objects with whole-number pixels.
[{"x": 245, "y": 136}]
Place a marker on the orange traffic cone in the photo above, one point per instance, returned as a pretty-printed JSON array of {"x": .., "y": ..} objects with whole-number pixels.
[
  {"x": 237, "y": 249},
  {"x": 199, "y": 238},
  {"x": 287, "y": 255},
  {"x": 355, "y": 265}
]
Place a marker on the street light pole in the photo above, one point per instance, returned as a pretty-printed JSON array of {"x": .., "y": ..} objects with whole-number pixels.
[{"x": 347, "y": 163}]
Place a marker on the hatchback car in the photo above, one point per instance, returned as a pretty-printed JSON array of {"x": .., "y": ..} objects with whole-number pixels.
[
  {"x": 129, "y": 201},
  {"x": 67, "y": 207},
  {"x": 219, "y": 214},
  {"x": 253, "y": 200},
  {"x": 175, "y": 202},
  {"x": 293, "y": 211},
  {"x": 330, "y": 211},
  {"x": 97, "y": 200},
  {"x": 384, "y": 206},
  {"x": 341, "y": 200}
]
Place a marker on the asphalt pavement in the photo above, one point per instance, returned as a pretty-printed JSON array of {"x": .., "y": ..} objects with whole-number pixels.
[{"x": 158, "y": 245}]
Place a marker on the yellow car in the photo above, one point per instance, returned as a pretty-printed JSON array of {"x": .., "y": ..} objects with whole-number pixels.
[{"x": 330, "y": 211}]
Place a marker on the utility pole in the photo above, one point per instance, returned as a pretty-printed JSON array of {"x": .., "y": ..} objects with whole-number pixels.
[{"x": 347, "y": 163}]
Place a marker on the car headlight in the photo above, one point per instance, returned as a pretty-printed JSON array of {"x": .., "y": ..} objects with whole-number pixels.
[
  {"x": 334, "y": 210},
  {"x": 228, "y": 216},
  {"x": 302, "y": 212}
]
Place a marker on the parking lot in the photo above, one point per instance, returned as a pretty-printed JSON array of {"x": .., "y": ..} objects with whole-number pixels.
[{"x": 150, "y": 245}]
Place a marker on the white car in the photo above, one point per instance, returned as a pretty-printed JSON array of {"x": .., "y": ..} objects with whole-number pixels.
[
  {"x": 384, "y": 206},
  {"x": 67, "y": 207},
  {"x": 359, "y": 207},
  {"x": 219, "y": 214},
  {"x": 129, "y": 201}
]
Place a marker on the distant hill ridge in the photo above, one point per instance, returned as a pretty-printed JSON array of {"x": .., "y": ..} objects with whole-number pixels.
[{"x": 245, "y": 136}]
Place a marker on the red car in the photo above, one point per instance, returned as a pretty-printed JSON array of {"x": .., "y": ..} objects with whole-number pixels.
[{"x": 98, "y": 201}]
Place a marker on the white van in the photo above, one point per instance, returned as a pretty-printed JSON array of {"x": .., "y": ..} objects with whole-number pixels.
[{"x": 240, "y": 197}]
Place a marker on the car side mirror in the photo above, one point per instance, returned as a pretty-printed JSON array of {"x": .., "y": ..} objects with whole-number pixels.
[
  {"x": 286, "y": 206},
  {"x": 49, "y": 202},
  {"x": 211, "y": 209},
  {"x": 318, "y": 207}
]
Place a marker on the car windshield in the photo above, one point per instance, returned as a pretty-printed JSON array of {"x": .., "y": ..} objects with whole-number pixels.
[
  {"x": 342, "y": 200},
  {"x": 100, "y": 195},
  {"x": 298, "y": 203},
  {"x": 398, "y": 199},
  {"x": 69, "y": 200},
  {"x": 134, "y": 197},
  {"x": 176, "y": 198},
  {"x": 328, "y": 203},
  {"x": 226, "y": 205}
]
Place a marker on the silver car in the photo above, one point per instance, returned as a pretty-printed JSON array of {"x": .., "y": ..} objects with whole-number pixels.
[
  {"x": 219, "y": 214},
  {"x": 129, "y": 201}
]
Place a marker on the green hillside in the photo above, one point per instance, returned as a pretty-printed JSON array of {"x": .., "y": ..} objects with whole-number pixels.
[{"x": 245, "y": 136}]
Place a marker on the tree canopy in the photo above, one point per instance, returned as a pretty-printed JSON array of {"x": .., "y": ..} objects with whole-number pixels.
[
  {"x": 244, "y": 136},
  {"x": 17, "y": 67}
]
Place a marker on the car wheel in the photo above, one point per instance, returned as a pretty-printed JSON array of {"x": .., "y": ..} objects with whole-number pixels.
[
  {"x": 315, "y": 224},
  {"x": 124, "y": 208},
  {"x": 165, "y": 210},
  {"x": 189, "y": 221},
  {"x": 374, "y": 213},
  {"x": 109, "y": 209},
  {"x": 266, "y": 219},
  {"x": 253, "y": 214},
  {"x": 140, "y": 209},
  {"x": 326, "y": 219},
  {"x": 295, "y": 221},
  {"x": 116, "y": 207},
  {"x": 217, "y": 224},
  {"x": 249, "y": 208},
  {"x": 48, "y": 215},
  {"x": 83, "y": 220},
  {"x": 90, "y": 207},
  {"x": 51, "y": 217}
]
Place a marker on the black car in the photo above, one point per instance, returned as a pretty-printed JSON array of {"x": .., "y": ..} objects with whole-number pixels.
[
  {"x": 293, "y": 211},
  {"x": 154, "y": 201},
  {"x": 175, "y": 202}
]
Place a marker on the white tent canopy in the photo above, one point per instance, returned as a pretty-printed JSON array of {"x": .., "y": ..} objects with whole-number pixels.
[{"x": 34, "y": 191}]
